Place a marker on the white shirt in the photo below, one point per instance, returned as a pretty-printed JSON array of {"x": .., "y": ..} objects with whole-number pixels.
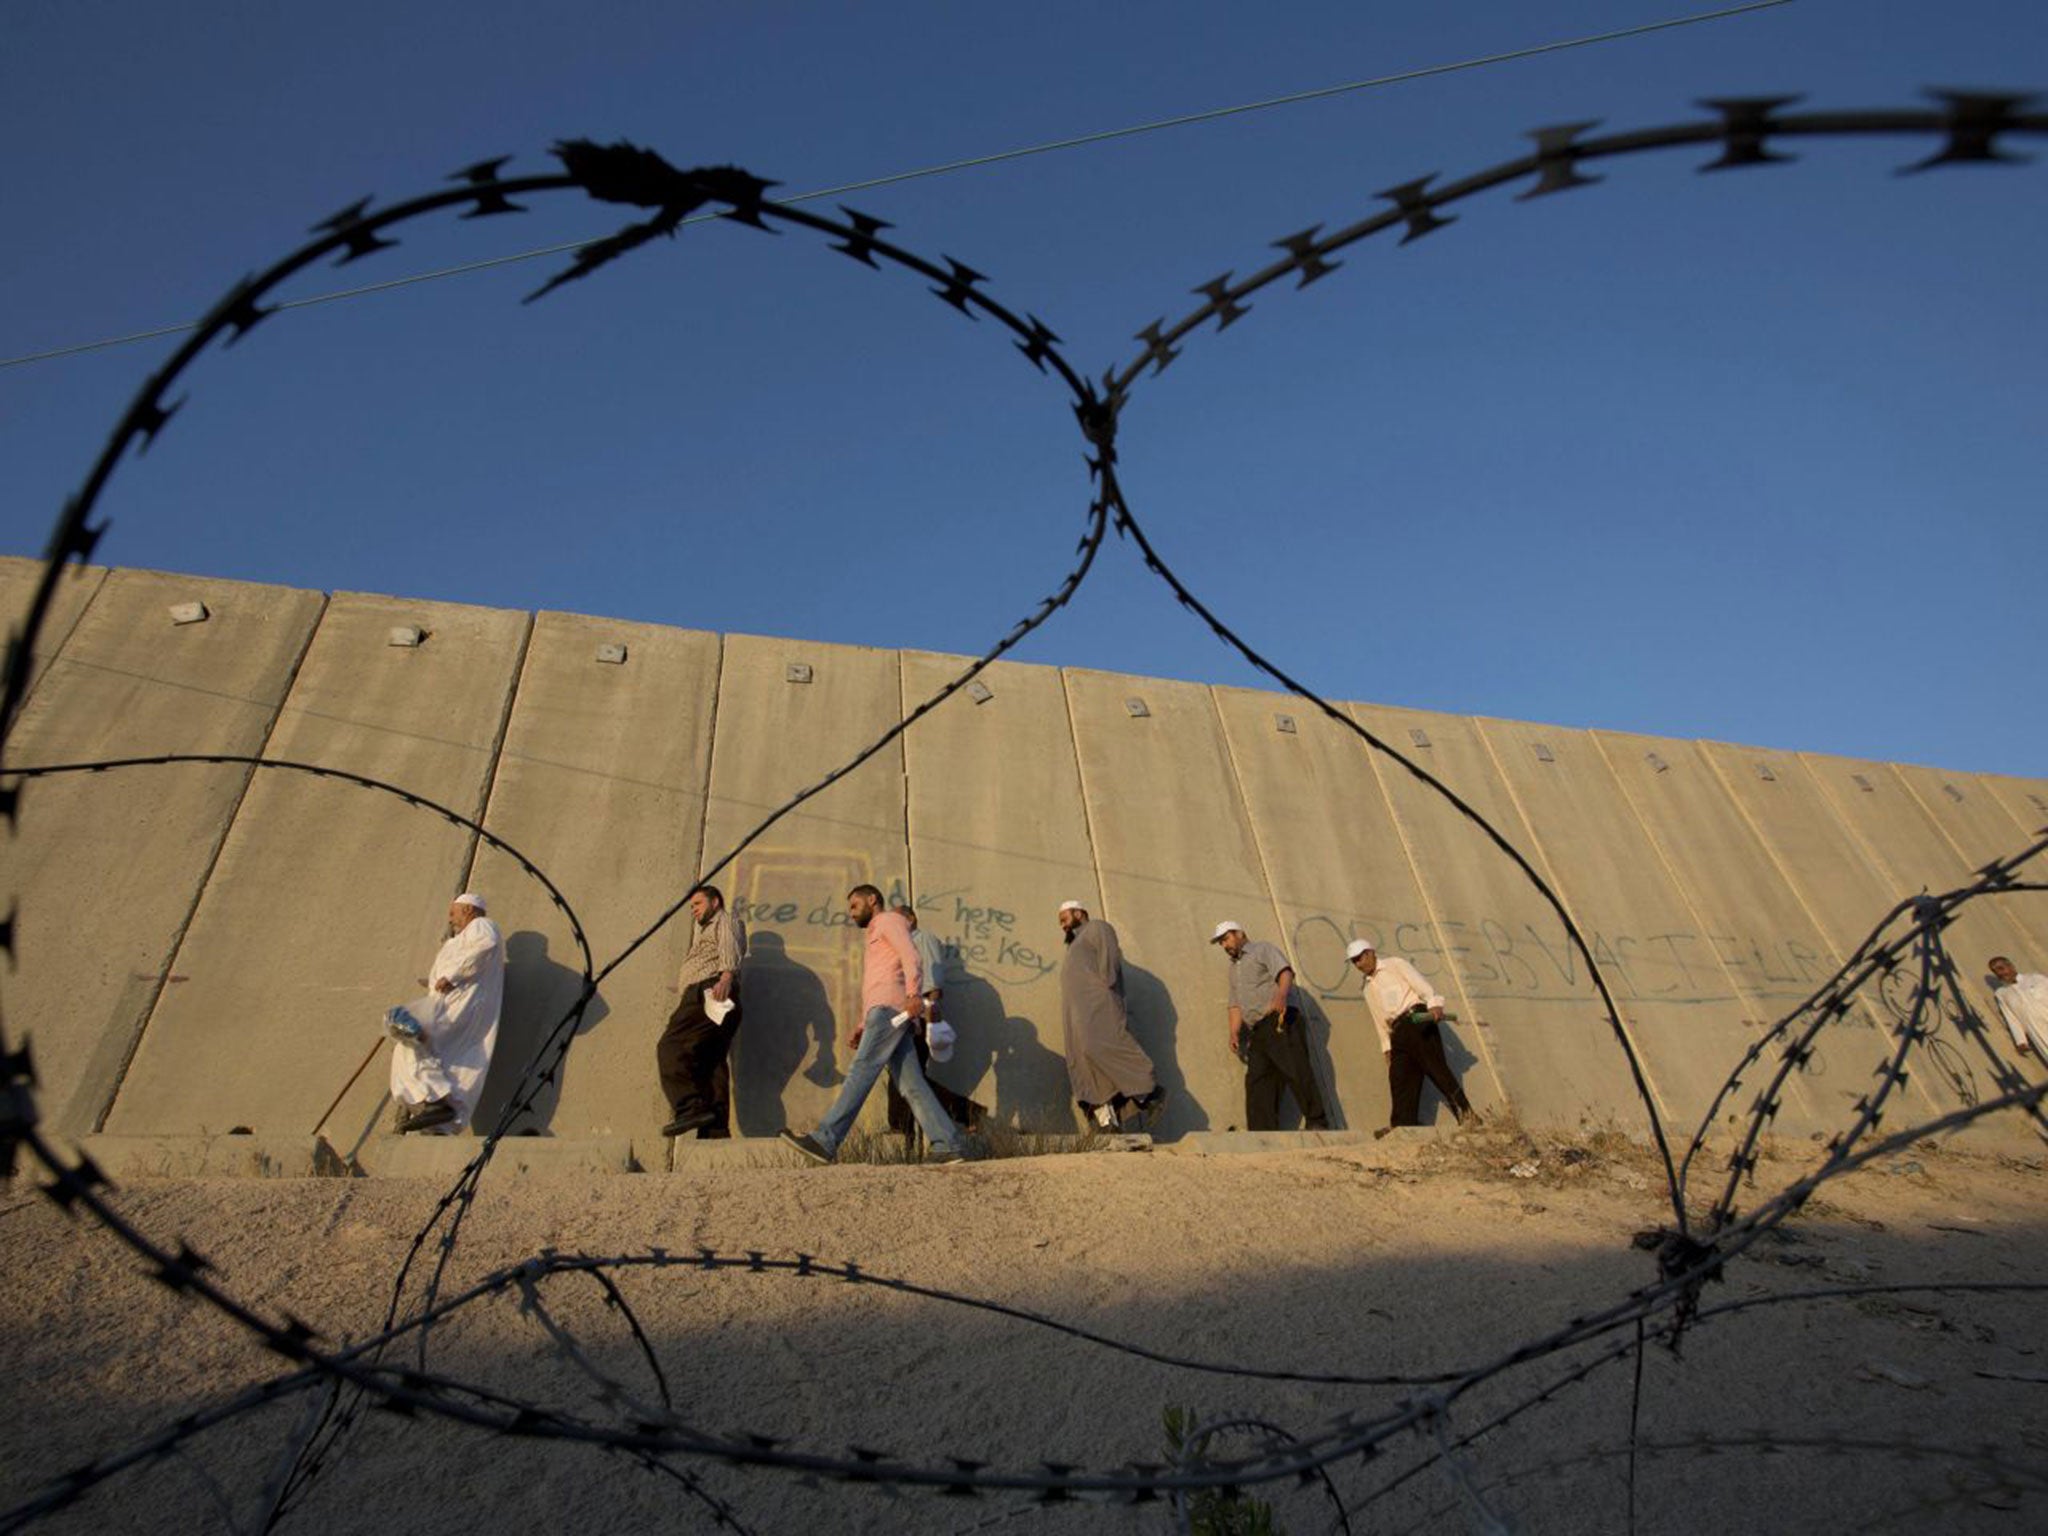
[
  {"x": 2025, "y": 1006},
  {"x": 1391, "y": 990}
]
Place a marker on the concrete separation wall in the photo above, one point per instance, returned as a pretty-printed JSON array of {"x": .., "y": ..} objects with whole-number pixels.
[
  {"x": 106, "y": 867},
  {"x": 993, "y": 853},
  {"x": 1529, "y": 1005},
  {"x": 789, "y": 712},
  {"x": 601, "y": 783},
  {"x": 207, "y": 951},
  {"x": 328, "y": 900}
]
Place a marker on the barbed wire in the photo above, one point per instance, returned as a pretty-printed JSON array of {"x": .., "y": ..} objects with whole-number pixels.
[{"x": 1969, "y": 127}]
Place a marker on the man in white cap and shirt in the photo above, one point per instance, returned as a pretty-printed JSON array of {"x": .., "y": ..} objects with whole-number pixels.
[
  {"x": 1407, "y": 1013},
  {"x": 1110, "y": 1072},
  {"x": 2023, "y": 1000},
  {"x": 437, "y": 1082},
  {"x": 1268, "y": 1032}
]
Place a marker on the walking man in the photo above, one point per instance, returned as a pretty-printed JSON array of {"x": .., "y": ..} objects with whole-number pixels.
[
  {"x": 892, "y": 989},
  {"x": 1407, "y": 1015},
  {"x": 1267, "y": 1032},
  {"x": 2023, "y": 1000},
  {"x": 1111, "y": 1074},
  {"x": 436, "y": 1082},
  {"x": 691, "y": 1054}
]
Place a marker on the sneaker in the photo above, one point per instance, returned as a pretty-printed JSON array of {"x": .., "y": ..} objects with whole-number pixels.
[
  {"x": 945, "y": 1155},
  {"x": 806, "y": 1145},
  {"x": 693, "y": 1120},
  {"x": 426, "y": 1116}
]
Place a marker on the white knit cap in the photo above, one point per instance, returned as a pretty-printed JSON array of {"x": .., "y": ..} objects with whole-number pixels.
[
  {"x": 1072, "y": 906},
  {"x": 471, "y": 899}
]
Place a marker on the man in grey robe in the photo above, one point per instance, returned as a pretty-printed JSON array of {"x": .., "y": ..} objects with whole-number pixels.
[{"x": 1112, "y": 1076}]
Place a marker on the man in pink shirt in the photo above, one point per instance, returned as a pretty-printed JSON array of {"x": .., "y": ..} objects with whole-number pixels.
[{"x": 892, "y": 987}]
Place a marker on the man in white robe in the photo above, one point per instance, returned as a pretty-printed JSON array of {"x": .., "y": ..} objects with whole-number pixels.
[
  {"x": 437, "y": 1083},
  {"x": 2024, "y": 1002}
]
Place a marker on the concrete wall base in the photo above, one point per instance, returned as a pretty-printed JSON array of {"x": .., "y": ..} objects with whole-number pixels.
[
  {"x": 129, "y": 1158},
  {"x": 443, "y": 1157}
]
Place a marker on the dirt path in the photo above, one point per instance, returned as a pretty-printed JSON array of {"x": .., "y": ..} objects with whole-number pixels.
[{"x": 1414, "y": 1258}]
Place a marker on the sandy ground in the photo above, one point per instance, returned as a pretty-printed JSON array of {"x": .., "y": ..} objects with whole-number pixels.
[{"x": 1386, "y": 1257}]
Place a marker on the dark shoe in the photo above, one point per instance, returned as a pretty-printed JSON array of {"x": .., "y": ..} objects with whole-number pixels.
[
  {"x": 428, "y": 1115},
  {"x": 1151, "y": 1107},
  {"x": 945, "y": 1155},
  {"x": 807, "y": 1146},
  {"x": 692, "y": 1120}
]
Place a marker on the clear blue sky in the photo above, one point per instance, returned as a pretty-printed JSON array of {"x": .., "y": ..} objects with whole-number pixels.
[{"x": 1757, "y": 457}]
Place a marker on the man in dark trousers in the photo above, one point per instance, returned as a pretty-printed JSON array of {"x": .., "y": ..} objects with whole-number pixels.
[
  {"x": 1407, "y": 1014},
  {"x": 1268, "y": 1032},
  {"x": 692, "y": 1051}
]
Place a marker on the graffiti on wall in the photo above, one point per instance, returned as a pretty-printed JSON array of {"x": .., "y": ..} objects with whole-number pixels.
[
  {"x": 801, "y": 894},
  {"x": 1496, "y": 958}
]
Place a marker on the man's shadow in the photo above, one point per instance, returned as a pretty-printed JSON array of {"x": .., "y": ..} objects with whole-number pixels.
[
  {"x": 1030, "y": 1080},
  {"x": 538, "y": 993},
  {"x": 785, "y": 1012},
  {"x": 1461, "y": 1062},
  {"x": 1155, "y": 1025},
  {"x": 1317, "y": 1023}
]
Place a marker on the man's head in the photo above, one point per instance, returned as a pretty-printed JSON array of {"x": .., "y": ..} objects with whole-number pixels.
[
  {"x": 463, "y": 909},
  {"x": 2004, "y": 970},
  {"x": 705, "y": 903},
  {"x": 862, "y": 903},
  {"x": 906, "y": 911},
  {"x": 1072, "y": 916},
  {"x": 1231, "y": 936},
  {"x": 1363, "y": 957}
]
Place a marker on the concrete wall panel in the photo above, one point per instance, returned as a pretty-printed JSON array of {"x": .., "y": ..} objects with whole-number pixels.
[
  {"x": 1979, "y": 825},
  {"x": 994, "y": 851},
  {"x": 1484, "y": 929},
  {"x": 1339, "y": 871},
  {"x": 328, "y": 901},
  {"x": 2026, "y": 801},
  {"x": 1176, "y": 854},
  {"x": 1912, "y": 853},
  {"x": 602, "y": 783},
  {"x": 1752, "y": 920},
  {"x": 74, "y": 590},
  {"x": 106, "y": 868},
  {"x": 774, "y": 737},
  {"x": 1676, "y": 998}
]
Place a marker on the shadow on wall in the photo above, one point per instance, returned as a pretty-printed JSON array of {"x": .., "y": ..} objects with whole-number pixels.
[
  {"x": 789, "y": 1029},
  {"x": 538, "y": 992},
  {"x": 1319, "y": 1062},
  {"x": 1462, "y": 1064},
  {"x": 1030, "y": 1080},
  {"x": 1155, "y": 1025}
]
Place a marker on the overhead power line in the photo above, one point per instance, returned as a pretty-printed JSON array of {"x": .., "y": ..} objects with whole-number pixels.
[{"x": 977, "y": 161}]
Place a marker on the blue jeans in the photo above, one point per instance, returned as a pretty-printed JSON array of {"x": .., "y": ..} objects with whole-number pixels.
[{"x": 884, "y": 1046}]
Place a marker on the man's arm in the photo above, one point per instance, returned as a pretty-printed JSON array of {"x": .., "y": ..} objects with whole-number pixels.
[
  {"x": 896, "y": 934},
  {"x": 472, "y": 949},
  {"x": 2012, "y": 1021},
  {"x": 1236, "y": 1027},
  {"x": 1432, "y": 999},
  {"x": 1109, "y": 955},
  {"x": 726, "y": 928},
  {"x": 1282, "y": 985}
]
